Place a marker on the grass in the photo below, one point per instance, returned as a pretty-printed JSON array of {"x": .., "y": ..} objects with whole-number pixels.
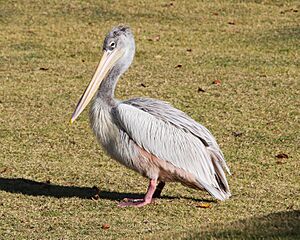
[{"x": 49, "y": 50}]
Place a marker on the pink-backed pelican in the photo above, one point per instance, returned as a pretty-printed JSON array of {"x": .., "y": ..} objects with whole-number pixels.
[{"x": 147, "y": 135}]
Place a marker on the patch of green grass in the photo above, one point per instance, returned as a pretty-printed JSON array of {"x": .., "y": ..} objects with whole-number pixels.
[{"x": 49, "y": 51}]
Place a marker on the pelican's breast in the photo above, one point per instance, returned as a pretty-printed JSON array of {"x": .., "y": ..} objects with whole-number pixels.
[{"x": 115, "y": 141}]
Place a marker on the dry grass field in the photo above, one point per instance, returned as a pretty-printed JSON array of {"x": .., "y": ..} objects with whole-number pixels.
[{"x": 234, "y": 66}]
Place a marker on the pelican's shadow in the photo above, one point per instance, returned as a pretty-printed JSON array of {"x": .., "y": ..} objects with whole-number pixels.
[{"x": 34, "y": 188}]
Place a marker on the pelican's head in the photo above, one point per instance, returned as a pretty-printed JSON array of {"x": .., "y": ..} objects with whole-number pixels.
[
  {"x": 118, "y": 53},
  {"x": 120, "y": 39}
]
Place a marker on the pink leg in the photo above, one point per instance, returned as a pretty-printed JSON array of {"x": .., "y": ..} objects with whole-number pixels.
[{"x": 142, "y": 202}]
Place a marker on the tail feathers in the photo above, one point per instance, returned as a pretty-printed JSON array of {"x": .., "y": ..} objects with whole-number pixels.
[
  {"x": 219, "y": 187},
  {"x": 218, "y": 157},
  {"x": 221, "y": 178},
  {"x": 215, "y": 192}
]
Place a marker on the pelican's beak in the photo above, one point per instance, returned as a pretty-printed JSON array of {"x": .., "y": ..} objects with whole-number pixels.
[{"x": 108, "y": 60}]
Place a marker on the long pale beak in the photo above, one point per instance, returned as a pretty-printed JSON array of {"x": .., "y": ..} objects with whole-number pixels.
[{"x": 108, "y": 60}]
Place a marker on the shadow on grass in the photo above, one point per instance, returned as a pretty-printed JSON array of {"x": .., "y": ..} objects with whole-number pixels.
[
  {"x": 34, "y": 188},
  {"x": 279, "y": 225}
]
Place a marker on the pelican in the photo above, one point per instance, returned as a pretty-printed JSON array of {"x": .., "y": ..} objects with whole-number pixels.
[{"x": 147, "y": 135}]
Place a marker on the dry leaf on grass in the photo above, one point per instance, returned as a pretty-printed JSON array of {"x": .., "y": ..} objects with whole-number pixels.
[
  {"x": 281, "y": 158},
  {"x": 155, "y": 38},
  {"x": 282, "y": 155},
  {"x": 204, "y": 205},
  {"x": 171, "y": 4},
  {"x": 3, "y": 170},
  {"x": 96, "y": 196},
  {"x": 105, "y": 226},
  {"x": 289, "y": 10},
  {"x": 201, "y": 89},
  {"x": 217, "y": 82},
  {"x": 43, "y": 68},
  {"x": 237, "y": 133}
]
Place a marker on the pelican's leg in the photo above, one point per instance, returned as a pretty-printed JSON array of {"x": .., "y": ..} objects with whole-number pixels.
[
  {"x": 142, "y": 202},
  {"x": 158, "y": 189}
]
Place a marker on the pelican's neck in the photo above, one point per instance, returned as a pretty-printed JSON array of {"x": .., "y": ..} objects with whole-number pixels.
[{"x": 108, "y": 85}]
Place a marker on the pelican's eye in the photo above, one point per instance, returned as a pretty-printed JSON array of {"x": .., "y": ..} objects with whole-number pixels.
[{"x": 112, "y": 45}]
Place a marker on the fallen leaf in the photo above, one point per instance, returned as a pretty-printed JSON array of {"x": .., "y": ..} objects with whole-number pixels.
[
  {"x": 44, "y": 68},
  {"x": 237, "y": 134},
  {"x": 204, "y": 205},
  {"x": 95, "y": 197},
  {"x": 178, "y": 66},
  {"x": 291, "y": 206},
  {"x": 282, "y": 155},
  {"x": 105, "y": 226},
  {"x": 3, "y": 170},
  {"x": 155, "y": 38},
  {"x": 217, "y": 82},
  {"x": 201, "y": 89},
  {"x": 171, "y": 4},
  {"x": 97, "y": 192},
  {"x": 289, "y": 10}
]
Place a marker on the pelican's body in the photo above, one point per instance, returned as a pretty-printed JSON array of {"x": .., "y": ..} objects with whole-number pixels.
[{"x": 150, "y": 136}]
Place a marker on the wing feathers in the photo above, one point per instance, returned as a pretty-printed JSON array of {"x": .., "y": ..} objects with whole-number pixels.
[{"x": 176, "y": 145}]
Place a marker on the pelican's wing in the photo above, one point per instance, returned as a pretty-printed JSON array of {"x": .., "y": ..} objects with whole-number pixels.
[
  {"x": 169, "y": 114},
  {"x": 171, "y": 135}
]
